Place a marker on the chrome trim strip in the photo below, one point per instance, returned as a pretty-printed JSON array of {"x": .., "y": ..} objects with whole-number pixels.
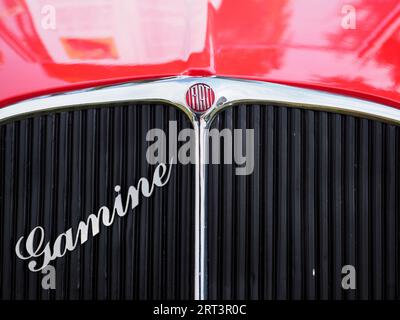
[
  {"x": 228, "y": 92},
  {"x": 162, "y": 91},
  {"x": 246, "y": 91}
]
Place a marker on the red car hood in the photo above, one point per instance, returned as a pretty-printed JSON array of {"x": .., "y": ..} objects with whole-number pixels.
[{"x": 51, "y": 46}]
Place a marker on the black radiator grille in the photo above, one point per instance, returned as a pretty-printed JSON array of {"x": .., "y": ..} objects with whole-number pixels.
[
  {"x": 325, "y": 192},
  {"x": 56, "y": 169}
]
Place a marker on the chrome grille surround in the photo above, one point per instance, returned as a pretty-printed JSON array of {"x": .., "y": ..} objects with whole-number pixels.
[{"x": 228, "y": 92}]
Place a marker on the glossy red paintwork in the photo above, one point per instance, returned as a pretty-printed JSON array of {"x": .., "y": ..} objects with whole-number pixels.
[{"x": 299, "y": 42}]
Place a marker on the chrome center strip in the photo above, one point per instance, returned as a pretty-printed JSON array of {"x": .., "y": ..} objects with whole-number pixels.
[
  {"x": 228, "y": 92},
  {"x": 199, "y": 283},
  {"x": 202, "y": 216}
]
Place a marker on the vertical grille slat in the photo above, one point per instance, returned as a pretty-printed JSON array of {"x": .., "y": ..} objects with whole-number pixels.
[
  {"x": 57, "y": 169},
  {"x": 324, "y": 194},
  {"x": 309, "y": 208}
]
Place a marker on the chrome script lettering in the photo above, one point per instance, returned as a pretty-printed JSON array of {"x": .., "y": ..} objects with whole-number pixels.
[{"x": 66, "y": 241}]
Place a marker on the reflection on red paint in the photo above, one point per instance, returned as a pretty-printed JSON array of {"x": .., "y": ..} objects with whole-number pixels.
[
  {"x": 299, "y": 42},
  {"x": 87, "y": 49}
]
